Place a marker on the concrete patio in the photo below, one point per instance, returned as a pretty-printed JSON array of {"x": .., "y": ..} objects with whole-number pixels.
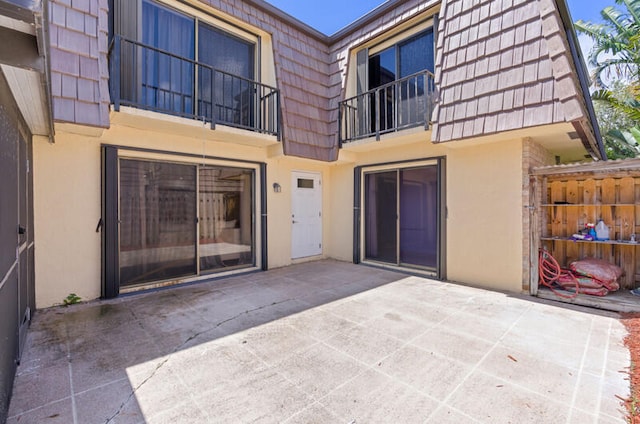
[{"x": 322, "y": 342}]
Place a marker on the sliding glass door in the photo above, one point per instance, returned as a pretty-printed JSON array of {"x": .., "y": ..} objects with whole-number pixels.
[
  {"x": 157, "y": 221},
  {"x": 178, "y": 220},
  {"x": 381, "y": 232},
  {"x": 401, "y": 216},
  {"x": 225, "y": 218}
]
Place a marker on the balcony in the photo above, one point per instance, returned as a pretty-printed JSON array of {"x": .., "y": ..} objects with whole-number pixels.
[
  {"x": 401, "y": 104},
  {"x": 146, "y": 77}
]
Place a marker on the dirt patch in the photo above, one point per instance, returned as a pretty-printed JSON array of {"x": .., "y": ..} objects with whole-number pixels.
[{"x": 632, "y": 341}]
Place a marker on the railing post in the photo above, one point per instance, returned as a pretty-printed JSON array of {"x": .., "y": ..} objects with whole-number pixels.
[
  {"x": 378, "y": 112},
  {"x": 257, "y": 121},
  {"x": 340, "y": 125},
  {"x": 397, "y": 98},
  {"x": 278, "y": 116},
  {"x": 213, "y": 99},
  {"x": 115, "y": 74},
  {"x": 427, "y": 96}
]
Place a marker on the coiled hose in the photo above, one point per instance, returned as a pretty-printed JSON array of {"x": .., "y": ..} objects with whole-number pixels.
[{"x": 549, "y": 272}]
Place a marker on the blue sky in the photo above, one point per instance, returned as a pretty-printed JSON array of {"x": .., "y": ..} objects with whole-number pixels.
[{"x": 328, "y": 16}]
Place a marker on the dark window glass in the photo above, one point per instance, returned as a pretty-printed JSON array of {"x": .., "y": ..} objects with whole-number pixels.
[
  {"x": 231, "y": 89},
  {"x": 157, "y": 221},
  {"x": 401, "y": 216},
  {"x": 305, "y": 183},
  {"x": 226, "y": 224},
  {"x": 382, "y": 68},
  {"x": 403, "y": 104},
  {"x": 225, "y": 52},
  {"x": 167, "y": 81},
  {"x": 419, "y": 216},
  {"x": 381, "y": 216},
  {"x": 416, "y": 54}
]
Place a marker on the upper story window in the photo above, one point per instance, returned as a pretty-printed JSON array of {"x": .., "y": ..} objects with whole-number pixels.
[
  {"x": 175, "y": 63},
  {"x": 401, "y": 59},
  {"x": 394, "y": 86}
]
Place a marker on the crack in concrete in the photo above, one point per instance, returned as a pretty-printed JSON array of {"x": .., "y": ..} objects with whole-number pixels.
[{"x": 179, "y": 347}]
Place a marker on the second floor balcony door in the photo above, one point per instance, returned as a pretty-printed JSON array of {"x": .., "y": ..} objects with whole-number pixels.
[
  {"x": 167, "y": 79},
  {"x": 174, "y": 63},
  {"x": 398, "y": 105},
  {"x": 228, "y": 94}
]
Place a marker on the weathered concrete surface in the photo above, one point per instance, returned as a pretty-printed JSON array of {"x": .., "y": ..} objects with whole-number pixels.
[{"x": 322, "y": 342}]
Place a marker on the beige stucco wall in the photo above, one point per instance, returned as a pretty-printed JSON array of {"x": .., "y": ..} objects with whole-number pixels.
[
  {"x": 484, "y": 223},
  {"x": 483, "y": 181},
  {"x": 67, "y": 186},
  {"x": 66, "y": 212},
  {"x": 483, "y": 199}
]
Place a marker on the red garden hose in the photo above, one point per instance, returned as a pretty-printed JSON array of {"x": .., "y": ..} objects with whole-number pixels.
[{"x": 549, "y": 273}]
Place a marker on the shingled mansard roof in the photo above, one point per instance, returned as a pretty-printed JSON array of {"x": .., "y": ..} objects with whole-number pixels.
[
  {"x": 505, "y": 65},
  {"x": 500, "y": 65}
]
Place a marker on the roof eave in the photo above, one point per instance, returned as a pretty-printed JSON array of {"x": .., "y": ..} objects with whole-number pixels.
[{"x": 598, "y": 151}]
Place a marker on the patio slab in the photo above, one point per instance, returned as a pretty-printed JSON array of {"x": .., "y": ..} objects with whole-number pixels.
[{"x": 322, "y": 342}]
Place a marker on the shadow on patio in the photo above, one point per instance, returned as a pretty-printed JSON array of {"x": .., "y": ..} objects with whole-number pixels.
[{"x": 320, "y": 342}]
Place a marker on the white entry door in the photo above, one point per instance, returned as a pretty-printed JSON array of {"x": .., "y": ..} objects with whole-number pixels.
[{"x": 306, "y": 215}]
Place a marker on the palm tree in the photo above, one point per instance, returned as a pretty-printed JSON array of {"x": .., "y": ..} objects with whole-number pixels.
[
  {"x": 619, "y": 36},
  {"x": 616, "y": 56}
]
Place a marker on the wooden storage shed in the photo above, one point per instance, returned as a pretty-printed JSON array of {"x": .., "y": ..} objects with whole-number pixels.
[{"x": 570, "y": 196}]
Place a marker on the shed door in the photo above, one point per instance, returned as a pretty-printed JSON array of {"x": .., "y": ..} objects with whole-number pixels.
[{"x": 306, "y": 215}]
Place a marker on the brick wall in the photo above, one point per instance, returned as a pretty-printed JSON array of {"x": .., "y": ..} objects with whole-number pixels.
[
  {"x": 533, "y": 155},
  {"x": 79, "y": 74}
]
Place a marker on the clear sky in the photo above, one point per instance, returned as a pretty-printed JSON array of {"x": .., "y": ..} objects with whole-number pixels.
[{"x": 328, "y": 16}]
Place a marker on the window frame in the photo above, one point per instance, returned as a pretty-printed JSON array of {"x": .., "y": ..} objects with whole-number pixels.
[
  {"x": 215, "y": 22},
  {"x": 111, "y": 158}
]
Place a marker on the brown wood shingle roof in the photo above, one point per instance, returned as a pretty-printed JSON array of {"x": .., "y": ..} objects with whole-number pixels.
[{"x": 503, "y": 65}]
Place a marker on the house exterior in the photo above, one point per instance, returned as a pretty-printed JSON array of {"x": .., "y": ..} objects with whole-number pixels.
[
  {"x": 195, "y": 139},
  {"x": 25, "y": 106},
  {"x": 180, "y": 140}
]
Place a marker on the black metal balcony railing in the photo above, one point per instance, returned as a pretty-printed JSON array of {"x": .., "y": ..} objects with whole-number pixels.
[
  {"x": 149, "y": 78},
  {"x": 401, "y": 104}
]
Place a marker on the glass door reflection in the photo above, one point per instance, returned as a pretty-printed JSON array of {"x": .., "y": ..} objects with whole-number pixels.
[{"x": 225, "y": 218}]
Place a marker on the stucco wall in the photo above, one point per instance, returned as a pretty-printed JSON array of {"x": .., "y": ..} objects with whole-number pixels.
[
  {"x": 67, "y": 183},
  {"x": 484, "y": 203},
  {"x": 484, "y": 224},
  {"x": 67, "y": 208}
]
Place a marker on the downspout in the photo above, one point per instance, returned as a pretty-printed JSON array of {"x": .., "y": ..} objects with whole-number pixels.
[{"x": 41, "y": 19}]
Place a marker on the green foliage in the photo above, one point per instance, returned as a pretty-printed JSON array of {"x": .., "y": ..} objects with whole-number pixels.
[
  {"x": 616, "y": 51},
  {"x": 620, "y": 131},
  {"x": 616, "y": 56},
  {"x": 72, "y": 299}
]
